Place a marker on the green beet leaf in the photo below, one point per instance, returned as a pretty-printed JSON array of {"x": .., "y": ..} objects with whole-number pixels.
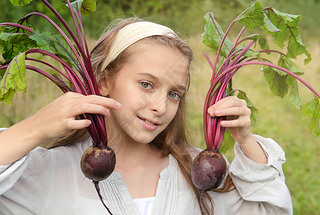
[
  {"x": 14, "y": 43},
  {"x": 250, "y": 105},
  {"x": 282, "y": 26},
  {"x": 268, "y": 25},
  {"x": 293, "y": 91},
  {"x": 20, "y": 3},
  {"x": 14, "y": 40},
  {"x": 312, "y": 110},
  {"x": 14, "y": 79},
  {"x": 252, "y": 17},
  {"x": 54, "y": 44},
  {"x": 260, "y": 39},
  {"x": 288, "y": 64},
  {"x": 212, "y": 38},
  {"x": 289, "y": 32},
  {"x": 86, "y": 7},
  {"x": 277, "y": 81},
  {"x": 228, "y": 142}
]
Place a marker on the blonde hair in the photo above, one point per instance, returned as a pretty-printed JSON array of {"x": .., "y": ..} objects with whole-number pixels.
[{"x": 173, "y": 139}]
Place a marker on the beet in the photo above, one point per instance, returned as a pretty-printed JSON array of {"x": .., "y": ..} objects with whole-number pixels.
[
  {"x": 208, "y": 170},
  {"x": 97, "y": 163}
]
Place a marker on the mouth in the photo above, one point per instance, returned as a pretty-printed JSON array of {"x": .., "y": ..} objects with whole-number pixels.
[{"x": 148, "y": 123}]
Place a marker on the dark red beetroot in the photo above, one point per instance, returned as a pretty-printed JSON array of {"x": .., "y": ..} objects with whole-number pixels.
[
  {"x": 97, "y": 163},
  {"x": 208, "y": 170}
]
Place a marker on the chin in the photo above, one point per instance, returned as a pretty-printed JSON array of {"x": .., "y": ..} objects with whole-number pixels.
[{"x": 143, "y": 138}]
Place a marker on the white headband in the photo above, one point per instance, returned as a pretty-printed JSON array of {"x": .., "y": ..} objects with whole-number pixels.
[{"x": 132, "y": 33}]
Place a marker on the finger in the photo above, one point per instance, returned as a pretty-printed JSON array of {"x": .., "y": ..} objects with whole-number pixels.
[
  {"x": 90, "y": 108},
  {"x": 228, "y": 102},
  {"x": 99, "y": 100},
  {"x": 233, "y": 111},
  {"x": 236, "y": 123},
  {"x": 77, "y": 124}
]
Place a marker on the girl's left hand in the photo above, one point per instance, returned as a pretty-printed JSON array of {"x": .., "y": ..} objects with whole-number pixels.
[{"x": 237, "y": 114}]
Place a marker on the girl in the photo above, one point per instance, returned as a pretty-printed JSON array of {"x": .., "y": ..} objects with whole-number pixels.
[{"x": 143, "y": 73}]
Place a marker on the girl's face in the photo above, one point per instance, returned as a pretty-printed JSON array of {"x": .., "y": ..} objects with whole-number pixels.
[{"x": 149, "y": 88}]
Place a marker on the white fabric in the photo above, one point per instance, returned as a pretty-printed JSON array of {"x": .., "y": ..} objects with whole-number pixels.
[
  {"x": 132, "y": 33},
  {"x": 50, "y": 182},
  {"x": 145, "y": 205}
]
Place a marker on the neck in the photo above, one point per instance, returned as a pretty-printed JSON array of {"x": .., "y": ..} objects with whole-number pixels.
[
  {"x": 137, "y": 154},
  {"x": 139, "y": 166},
  {"x": 130, "y": 153}
]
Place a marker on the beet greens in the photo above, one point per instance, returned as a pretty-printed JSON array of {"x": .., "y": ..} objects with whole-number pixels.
[
  {"x": 21, "y": 46},
  {"x": 232, "y": 56}
]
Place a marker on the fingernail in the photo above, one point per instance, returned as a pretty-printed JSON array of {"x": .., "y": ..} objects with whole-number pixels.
[
  {"x": 107, "y": 112},
  {"x": 87, "y": 123},
  {"x": 117, "y": 105},
  {"x": 211, "y": 112}
]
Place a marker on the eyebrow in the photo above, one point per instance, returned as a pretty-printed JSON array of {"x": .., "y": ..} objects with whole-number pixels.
[{"x": 180, "y": 87}]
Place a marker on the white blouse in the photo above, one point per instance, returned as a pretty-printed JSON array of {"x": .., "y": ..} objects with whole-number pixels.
[
  {"x": 50, "y": 182},
  {"x": 145, "y": 205}
]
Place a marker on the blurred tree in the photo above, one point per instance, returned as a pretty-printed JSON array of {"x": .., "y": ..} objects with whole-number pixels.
[
  {"x": 179, "y": 15},
  {"x": 185, "y": 16}
]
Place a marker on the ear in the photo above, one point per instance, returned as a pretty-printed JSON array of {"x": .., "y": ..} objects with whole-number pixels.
[{"x": 104, "y": 85}]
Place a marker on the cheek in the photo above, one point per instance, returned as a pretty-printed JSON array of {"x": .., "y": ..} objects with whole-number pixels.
[
  {"x": 131, "y": 102},
  {"x": 172, "y": 112},
  {"x": 126, "y": 94}
]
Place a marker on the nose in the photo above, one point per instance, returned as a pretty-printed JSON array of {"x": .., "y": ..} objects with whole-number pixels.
[{"x": 159, "y": 103}]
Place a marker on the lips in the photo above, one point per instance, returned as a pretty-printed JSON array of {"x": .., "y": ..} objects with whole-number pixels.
[{"x": 149, "y": 123}]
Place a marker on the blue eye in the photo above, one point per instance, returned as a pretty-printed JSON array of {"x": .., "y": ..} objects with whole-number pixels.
[
  {"x": 145, "y": 85},
  {"x": 174, "y": 95}
]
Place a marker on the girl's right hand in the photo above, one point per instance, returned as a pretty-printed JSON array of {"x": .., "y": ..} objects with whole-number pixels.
[
  {"x": 59, "y": 117},
  {"x": 52, "y": 121}
]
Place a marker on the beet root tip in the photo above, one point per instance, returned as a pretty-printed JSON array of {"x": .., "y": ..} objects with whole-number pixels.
[
  {"x": 208, "y": 170},
  {"x": 98, "y": 163}
]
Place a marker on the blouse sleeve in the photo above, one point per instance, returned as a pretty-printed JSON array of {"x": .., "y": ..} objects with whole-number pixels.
[
  {"x": 261, "y": 186},
  {"x": 21, "y": 178},
  {"x": 9, "y": 174}
]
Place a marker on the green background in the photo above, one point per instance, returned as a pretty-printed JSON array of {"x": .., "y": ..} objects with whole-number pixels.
[{"x": 277, "y": 119}]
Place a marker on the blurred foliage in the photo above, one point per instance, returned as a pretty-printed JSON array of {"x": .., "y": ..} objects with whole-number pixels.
[
  {"x": 185, "y": 16},
  {"x": 169, "y": 12},
  {"x": 277, "y": 118}
]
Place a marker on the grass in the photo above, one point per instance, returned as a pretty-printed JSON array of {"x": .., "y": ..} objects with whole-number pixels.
[{"x": 277, "y": 119}]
